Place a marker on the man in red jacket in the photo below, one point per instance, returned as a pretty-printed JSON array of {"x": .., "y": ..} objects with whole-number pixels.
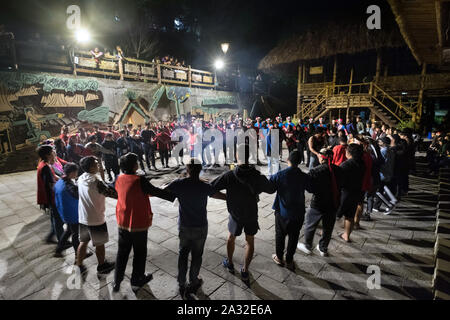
[
  {"x": 134, "y": 217},
  {"x": 163, "y": 141}
]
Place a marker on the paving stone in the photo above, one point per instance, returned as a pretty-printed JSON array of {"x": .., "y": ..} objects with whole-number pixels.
[
  {"x": 211, "y": 283},
  {"x": 163, "y": 286},
  {"x": 20, "y": 286},
  {"x": 158, "y": 235},
  {"x": 172, "y": 244},
  {"x": 310, "y": 286},
  {"x": 168, "y": 261},
  {"x": 61, "y": 286},
  {"x": 213, "y": 243},
  {"x": 230, "y": 291},
  {"x": 45, "y": 264},
  {"x": 266, "y": 288},
  {"x": 267, "y": 267}
]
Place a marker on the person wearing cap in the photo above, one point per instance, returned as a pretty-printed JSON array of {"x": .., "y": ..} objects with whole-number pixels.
[
  {"x": 324, "y": 180},
  {"x": 289, "y": 206},
  {"x": 351, "y": 175}
]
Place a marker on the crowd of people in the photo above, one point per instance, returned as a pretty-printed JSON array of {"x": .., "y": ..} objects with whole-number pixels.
[{"x": 354, "y": 170}]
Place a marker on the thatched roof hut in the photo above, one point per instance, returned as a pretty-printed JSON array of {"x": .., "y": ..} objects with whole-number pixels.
[{"x": 328, "y": 41}]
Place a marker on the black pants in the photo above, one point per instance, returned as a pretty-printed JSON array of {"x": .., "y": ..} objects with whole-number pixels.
[
  {"x": 128, "y": 240},
  {"x": 192, "y": 240},
  {"x": 313, "y": 218},
  {"x": 164, "y": 154},
  {"x": 283, "y": 228},
  {"x": 149, "y": 152},
  {"x": 301, "y": 149},
  {"x": 72, "y": 230},
  {"x": 112, "y": 165}
]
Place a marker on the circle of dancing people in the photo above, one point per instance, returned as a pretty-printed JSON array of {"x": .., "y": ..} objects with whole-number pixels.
[{"x": 355, "y": 170}]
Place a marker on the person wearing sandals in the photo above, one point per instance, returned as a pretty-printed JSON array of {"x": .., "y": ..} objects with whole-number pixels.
[
  {"x": 352, "y": 175},
  {"x": 243, "y": 186},
  {"x": 289, "y": 206},
  {"x": 324, "y": 180}
]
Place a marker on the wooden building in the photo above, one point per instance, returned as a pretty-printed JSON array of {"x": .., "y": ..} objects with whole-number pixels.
[{"x": 346, "y": 70}]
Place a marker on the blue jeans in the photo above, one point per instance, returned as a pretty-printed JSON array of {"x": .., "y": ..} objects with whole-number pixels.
[
  {"x": 192, "y": 240},
  {"x": 313, "y": 161},
  {"x": 57, "y": 224}
]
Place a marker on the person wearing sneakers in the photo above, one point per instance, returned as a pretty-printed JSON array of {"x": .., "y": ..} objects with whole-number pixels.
[
  {"x": 192, "y": 194},
  {"x": 66, "y": 201},
  {"x": 134, "y": 216},
  {"x": 91, "y": 214},
  {"x": 243, "y": 186},
  {"x": 289, "y": 206},
  {"x": 324, "y": 181}
]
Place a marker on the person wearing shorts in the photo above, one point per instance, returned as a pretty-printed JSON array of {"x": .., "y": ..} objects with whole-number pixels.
[
  {"x": 91, "y": 214},
  {"x": 235, "y": 228},
  {"x": 243, "y": 186}
]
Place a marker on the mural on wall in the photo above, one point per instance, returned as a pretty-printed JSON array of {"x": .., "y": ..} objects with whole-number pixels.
[
  {"x": 179, "y": 95},
  {"x": 97, "y": 115},
  {"x": 33, "y": 107}
]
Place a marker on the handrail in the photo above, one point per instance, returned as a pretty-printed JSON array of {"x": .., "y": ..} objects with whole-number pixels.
[
  {"x": 38, "y": 55},
  {"x": 409, "y": 112},
  {"x": 308, "y": 108},
  {"x": 385, "y": 107}
]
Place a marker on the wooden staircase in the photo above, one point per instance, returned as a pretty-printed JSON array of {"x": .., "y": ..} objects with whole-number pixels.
[{"x": 371, "y": 96}]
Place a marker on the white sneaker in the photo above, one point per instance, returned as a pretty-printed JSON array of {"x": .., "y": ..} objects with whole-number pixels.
[
  {"x": 301, "y": 246},
  {"x": 375, "y": 210},
  {"x": 322, "y": 253}
]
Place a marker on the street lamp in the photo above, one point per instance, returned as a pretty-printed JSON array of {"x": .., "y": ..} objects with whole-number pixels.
[
  {"x": 82, "y": 36},
  {"x": 219, "y": 64},
  {"x": 225, "y": 46}
]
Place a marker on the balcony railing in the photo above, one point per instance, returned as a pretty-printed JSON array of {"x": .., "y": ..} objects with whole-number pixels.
[{"x": 38, "y": 56}]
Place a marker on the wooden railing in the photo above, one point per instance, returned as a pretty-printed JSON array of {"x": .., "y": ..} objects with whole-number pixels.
[
  {"x": 356, "y": 95},
  {"x": 38, "y": 56}
]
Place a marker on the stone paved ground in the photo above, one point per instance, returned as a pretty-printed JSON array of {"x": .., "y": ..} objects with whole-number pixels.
[{"x": 401, "y": 244}]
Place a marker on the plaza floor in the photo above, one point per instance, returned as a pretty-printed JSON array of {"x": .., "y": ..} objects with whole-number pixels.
[{"x": 400, "y": 244}]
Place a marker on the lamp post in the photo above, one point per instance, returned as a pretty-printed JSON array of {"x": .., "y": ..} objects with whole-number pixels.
[{"x": 81, "y": 36}]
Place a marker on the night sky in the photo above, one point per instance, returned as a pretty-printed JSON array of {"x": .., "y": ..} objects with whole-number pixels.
[{"x": 252, "y": 27}]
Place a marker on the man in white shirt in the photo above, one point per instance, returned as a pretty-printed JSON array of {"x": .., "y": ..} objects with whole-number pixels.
[{"x": 91, "y": 214}]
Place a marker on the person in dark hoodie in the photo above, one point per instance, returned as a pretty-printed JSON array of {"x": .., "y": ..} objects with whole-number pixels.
[
  {"x": 325, "y": 201},
  {"x": 352, "y": 175},
  {"x": 289, "y": 207},
  {"x": 243, "y": 186}
]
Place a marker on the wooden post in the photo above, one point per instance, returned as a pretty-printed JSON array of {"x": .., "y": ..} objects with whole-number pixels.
[
  {"x": 422, "y": 88},
  {"x": 121, "y": 68},
  {"x": 377, "y": 71},
  {"x": 350, "y": 83},
  {"x": 299, "y": 90},
  {"x": 190, "y": 77},
  {"x": 158, "y": 70},
  {"x": 334, "y": 72}
]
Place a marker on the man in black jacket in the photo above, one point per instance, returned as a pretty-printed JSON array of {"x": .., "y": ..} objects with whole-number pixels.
[
  {"x": 243, "y": 186},
  {"x": 324, "y": 203}
]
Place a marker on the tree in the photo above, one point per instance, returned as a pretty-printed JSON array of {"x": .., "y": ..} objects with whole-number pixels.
[{"x": 141, "y": 42}]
